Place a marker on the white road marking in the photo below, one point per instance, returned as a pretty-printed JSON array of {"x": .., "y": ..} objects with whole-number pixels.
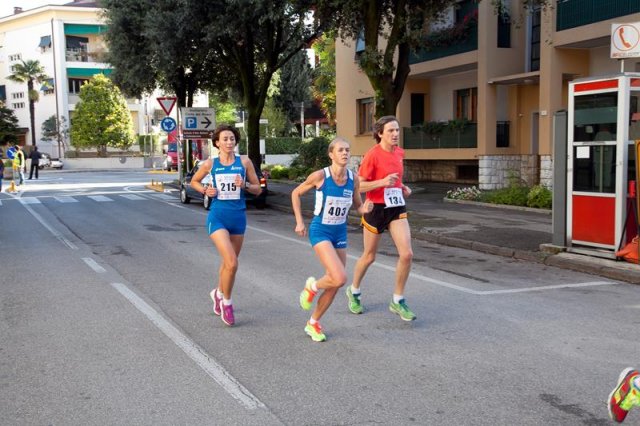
[
  {"x": 29, "y": 200},
  {"x": 100, "y": 198},
  {"x": 193, "y": 351},
  {"x": 450, "y": 285},
  {"x": 65, "y": 199},
  {"x": 132, "y": 197},
  {"x": 55, "y": 233},
  {"x": 163, "y": 196},
  {"x": 94, "y": 265}
]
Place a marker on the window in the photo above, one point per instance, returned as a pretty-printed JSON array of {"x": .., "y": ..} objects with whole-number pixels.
[
  {"x": 467, "y": 104},
  {"x": 365, "y": 115},
  {"x": 417, "y": 108},
  {"x": 76, "y": 83},
  {"x": 17, "y": 105},
  {"x": 359, "y": 45},
  {"x": 17, "y": 95},
  {"x": 595, "y": 117},
  {"x": 534, "y": 59},
  {"x": 16, "y": 57}
]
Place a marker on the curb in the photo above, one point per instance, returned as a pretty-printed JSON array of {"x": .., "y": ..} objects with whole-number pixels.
[{"x": 498, "y": 206}]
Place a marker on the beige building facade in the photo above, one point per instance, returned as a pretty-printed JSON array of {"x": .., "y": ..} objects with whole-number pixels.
[{"x": 480, "y": 109}]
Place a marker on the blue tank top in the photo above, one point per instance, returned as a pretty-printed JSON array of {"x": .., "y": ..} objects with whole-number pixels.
[
  {"x": 223, "y": 179},
  {"x": 333, "y": 201}
]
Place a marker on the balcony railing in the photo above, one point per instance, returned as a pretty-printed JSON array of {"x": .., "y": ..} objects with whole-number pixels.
[
  {"x": 575, "y": 13},
  {"x": 82, "y": 55},
  {"x": 416, "y": 137}
]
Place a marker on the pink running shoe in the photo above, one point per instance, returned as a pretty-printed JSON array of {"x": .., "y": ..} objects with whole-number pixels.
[
  {"x": 227, "y": 314},
  {"x": 217, "y": 300}
]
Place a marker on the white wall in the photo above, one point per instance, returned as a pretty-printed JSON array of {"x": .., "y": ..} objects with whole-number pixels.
[
  {"x": 442, "y": 93},
  {"x": 600, "y": 63}
]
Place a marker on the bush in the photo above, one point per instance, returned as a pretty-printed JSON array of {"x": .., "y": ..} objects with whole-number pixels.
[
  {"x": 512, "y": 196},
  {"x": 540, "y": 197},
  {"x": 313, "y": 154},
  {"x": 279, "y": 172}
]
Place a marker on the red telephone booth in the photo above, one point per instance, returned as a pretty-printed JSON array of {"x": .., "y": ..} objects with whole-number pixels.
[{"x": 601, "y": 161}]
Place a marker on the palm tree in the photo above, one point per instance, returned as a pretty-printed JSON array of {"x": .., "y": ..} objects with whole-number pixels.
[{"x": 30, "y": 72}]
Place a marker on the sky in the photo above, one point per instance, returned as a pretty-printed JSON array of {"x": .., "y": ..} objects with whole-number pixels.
[{"x": 6, "y": 6}]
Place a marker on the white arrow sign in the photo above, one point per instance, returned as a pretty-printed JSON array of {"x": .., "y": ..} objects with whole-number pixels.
[{"x": 198, "y": 122}]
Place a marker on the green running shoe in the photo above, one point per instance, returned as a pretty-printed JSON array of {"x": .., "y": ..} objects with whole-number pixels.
[
  {"x": 315, "y": 332},
  {"x": 307, "y": 295},
  {"x": 403, "y": 310},
  {"x": 354, "y": 301}
]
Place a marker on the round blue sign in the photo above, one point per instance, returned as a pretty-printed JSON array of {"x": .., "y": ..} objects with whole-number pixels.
[
  {"x": 11, "y": 153},
  {"x": 168, "y": 124}
]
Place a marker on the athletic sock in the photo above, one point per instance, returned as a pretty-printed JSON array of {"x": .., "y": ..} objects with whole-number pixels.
[
  {"x": 397, "y": 298},
  {"x": 355, "y": 290},
  {"x": 312, "y": 321},
  {"x": 314, "y": 286},
  {"x": 226, "y": 302}
]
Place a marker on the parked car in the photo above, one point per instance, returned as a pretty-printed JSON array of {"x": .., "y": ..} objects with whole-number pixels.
[
  {"x": 45, "y": 161},
  {"x": 187, "y": 193},
  {"x": 171, "y": 157},
  {"x": 57, "y": 163}
]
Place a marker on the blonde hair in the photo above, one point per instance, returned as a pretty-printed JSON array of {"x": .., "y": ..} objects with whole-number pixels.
[{"x": 333, "y": 143}]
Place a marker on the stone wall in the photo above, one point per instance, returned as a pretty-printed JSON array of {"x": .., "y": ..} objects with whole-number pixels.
[
  {"x": 498, "y": 171},
  {"x": 546, "y": 171}
]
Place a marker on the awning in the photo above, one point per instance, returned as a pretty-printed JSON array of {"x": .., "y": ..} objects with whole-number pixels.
[
  {"x": 523, "y": 78},
  {"x": 45, "y": 41},
  {"x": 84, "y": 29},
  {"x": 87, "y": 72}
]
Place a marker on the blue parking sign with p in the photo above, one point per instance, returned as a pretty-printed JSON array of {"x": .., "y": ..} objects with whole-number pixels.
[{"x": 190, "y": 122}]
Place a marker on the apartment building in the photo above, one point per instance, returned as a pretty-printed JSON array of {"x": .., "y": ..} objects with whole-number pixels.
[
  {"x": 479, "y": 109},
  {"x": 68, "y": 40}
]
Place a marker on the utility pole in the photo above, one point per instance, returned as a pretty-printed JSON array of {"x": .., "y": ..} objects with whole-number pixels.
[{"x": 302, "y": 119}]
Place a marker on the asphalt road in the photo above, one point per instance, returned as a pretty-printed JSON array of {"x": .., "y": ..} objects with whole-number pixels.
[{"x": 106, "y": 319}]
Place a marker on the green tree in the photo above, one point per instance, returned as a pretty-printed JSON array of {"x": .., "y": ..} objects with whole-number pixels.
[
  {"x": 30, "y": 72},
  {"x": 191, "y": 45},
  {"x": 8, "y": 126},
  {"x": 294, "y": 84},
  {"x": 324, "y": 75},
  {"x": 157, "y": 43},
  {"x": 56, "y": 129},
  {"x": 101, "y": 118}
]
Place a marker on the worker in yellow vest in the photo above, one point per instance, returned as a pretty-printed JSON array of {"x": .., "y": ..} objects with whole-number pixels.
[{"x": 19, "y": 165}]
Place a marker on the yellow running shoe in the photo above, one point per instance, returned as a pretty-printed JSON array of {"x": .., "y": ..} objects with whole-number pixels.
[{"x": 315, "y": 332}]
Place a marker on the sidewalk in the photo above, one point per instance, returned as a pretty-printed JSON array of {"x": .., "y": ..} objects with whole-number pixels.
[{"x": 499, "y": 230}]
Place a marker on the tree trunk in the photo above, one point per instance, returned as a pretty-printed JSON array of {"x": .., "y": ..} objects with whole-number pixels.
[{"x": 32, "y": 112}]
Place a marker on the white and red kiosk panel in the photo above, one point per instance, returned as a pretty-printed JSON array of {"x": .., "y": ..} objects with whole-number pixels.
[{"x": 601, "y": 160}]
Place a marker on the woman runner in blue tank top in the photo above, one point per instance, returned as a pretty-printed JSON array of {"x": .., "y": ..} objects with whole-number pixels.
[
  {"x": 336, "y": 189},
  {"x": 231, "y": 175}
]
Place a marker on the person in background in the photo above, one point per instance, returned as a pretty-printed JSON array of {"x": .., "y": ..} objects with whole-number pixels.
[
  {"x": 35, "y": 157},
  {"x": 227, "y": 220},
  {"x": 625, "y": 395},
  {"x": 336, "y": 189},
  {"x": 380, "y": 174}
]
